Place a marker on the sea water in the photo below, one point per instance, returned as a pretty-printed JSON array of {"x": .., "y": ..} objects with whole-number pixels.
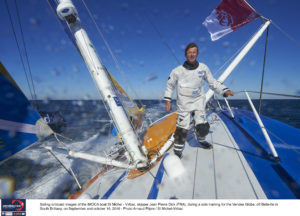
[{"x": 36, "y": 174}]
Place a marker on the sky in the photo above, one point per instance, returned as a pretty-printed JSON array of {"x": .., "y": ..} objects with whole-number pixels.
[{"x": 141, "y": 34}]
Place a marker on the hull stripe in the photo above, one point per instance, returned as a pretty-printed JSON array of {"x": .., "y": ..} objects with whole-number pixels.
[
  {"x": 158, "y": 178},
  {"x": 114, "y": 186}
]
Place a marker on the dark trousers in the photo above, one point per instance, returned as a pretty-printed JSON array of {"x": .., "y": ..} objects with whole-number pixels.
[{"x": 180, "y": 134}]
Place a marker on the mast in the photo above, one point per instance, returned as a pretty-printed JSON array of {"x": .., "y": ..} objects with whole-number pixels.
[
  {"x": 67, "y": 11},
  {"x": 239, "y": 57}
]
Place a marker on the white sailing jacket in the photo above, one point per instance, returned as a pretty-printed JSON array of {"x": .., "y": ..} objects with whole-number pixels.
[{"x": 190, "y": 87}]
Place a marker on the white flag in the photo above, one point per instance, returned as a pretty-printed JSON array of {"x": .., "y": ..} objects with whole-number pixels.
[{"x": 229, "y": 16}]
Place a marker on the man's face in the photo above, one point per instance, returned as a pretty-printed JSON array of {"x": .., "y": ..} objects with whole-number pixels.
[{"x": 191, "y": 54}]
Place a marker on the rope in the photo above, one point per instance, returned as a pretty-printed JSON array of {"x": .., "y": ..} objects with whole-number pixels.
[
  {"x": 158, "y": 33},
  {"x": 63, "y": 136},
  {"x": 270, "y": 93},
  {"x": 89, "y": 55},
  {"x": 286, "y": 34},
  {"x": 117, "y": 64},
  {"x": 94, "y": 64},
  {"x": 60, "y": 142},
  {"x": 26, "y": 54},
  {"x": 52, "y": 5},
  {"x": 236, "y": 53},
  {"x": 79, "y": 51},
  {"x": 263, "y": 72},
  {"x": 16, "y": 39},
  {"x": 255, "y": 122},
  {"x": 282, "y": 141},
  {"x": 56, "y": 158},
  {"x": 111, "y": 52},
  {"x": 70, "y": 170}
]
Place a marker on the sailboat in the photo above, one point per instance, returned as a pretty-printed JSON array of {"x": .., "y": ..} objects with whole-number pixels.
[{"x": 247, "y": 161}]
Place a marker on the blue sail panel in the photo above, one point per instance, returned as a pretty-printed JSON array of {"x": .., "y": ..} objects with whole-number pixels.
[
  {"x": 13, "y": 142},
  {"x": 17, "y": 118}
]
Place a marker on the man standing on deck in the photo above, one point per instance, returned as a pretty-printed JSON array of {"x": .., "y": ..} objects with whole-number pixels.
[{"x": 188, "y": 78}]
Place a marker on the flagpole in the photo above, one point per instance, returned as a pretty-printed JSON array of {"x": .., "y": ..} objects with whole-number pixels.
[{"x": 239, "y": 57}]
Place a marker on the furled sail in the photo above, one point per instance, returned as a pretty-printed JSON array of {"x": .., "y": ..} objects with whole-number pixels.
[
  {"x": 20, "y": 123},
  {"x": 135, "y": 113},
  {"x": 67, "y": 12}
]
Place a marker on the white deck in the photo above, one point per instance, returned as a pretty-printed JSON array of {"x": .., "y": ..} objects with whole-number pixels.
[{"x": 218, "y": 173}]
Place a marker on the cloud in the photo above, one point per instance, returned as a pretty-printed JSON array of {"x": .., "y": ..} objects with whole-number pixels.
[{"x": 151, "y": 77}]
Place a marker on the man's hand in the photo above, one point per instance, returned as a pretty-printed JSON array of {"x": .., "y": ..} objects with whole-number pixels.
[
  {"x": 168, "y": 106},
  {"x": 229, "y": 92}
]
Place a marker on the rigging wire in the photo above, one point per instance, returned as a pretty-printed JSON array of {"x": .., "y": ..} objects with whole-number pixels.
[
  {"x": 26, "y": 53},
  {"x": 61, "y": 142},
  {"x": 70, "y": 170},
  {"x": 89, "y": 54},
  {"x": 280, "y": 29},
  {"x": 230, "y": 59},
  {"x": 93, "y": 63},
  {"x": 255, "y": 122},
  {"x": 117, "y": 64},
  {"x": 105, "y": 105},
  {"x": 286, "y": 34},
  {"x": 281, "y": 140},
  {"x": 86, "y": 44},
  {"x": 19, "y": 49},
  {"x": 270, "y": 93},
  {"x": 289, "y": 37},
  {"x": 158, "y": 32},
  {"x": 238, "y": 51},
  {"x": 111, "y": 52},
  {"x": 263, "y": 72}
]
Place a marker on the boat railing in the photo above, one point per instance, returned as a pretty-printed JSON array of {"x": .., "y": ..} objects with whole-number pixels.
[
  {"x": 262, "y": 127},
  {"x": 229, "y": 108},
  {"x": 260, "y": 123}
]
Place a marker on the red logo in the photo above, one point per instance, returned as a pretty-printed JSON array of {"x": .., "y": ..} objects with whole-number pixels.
[{"x": 20, "y": 202}]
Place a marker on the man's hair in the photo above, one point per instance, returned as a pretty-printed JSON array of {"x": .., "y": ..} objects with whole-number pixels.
[{"x": 190, "y": 45}]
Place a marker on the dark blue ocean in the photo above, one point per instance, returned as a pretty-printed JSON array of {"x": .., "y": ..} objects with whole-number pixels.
[
  {"x": 287, "y": 111},
  {"x": 81, "y": 113},
  {"x": 36, "y": 174},
  {"x": 85, "y": 118}
]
